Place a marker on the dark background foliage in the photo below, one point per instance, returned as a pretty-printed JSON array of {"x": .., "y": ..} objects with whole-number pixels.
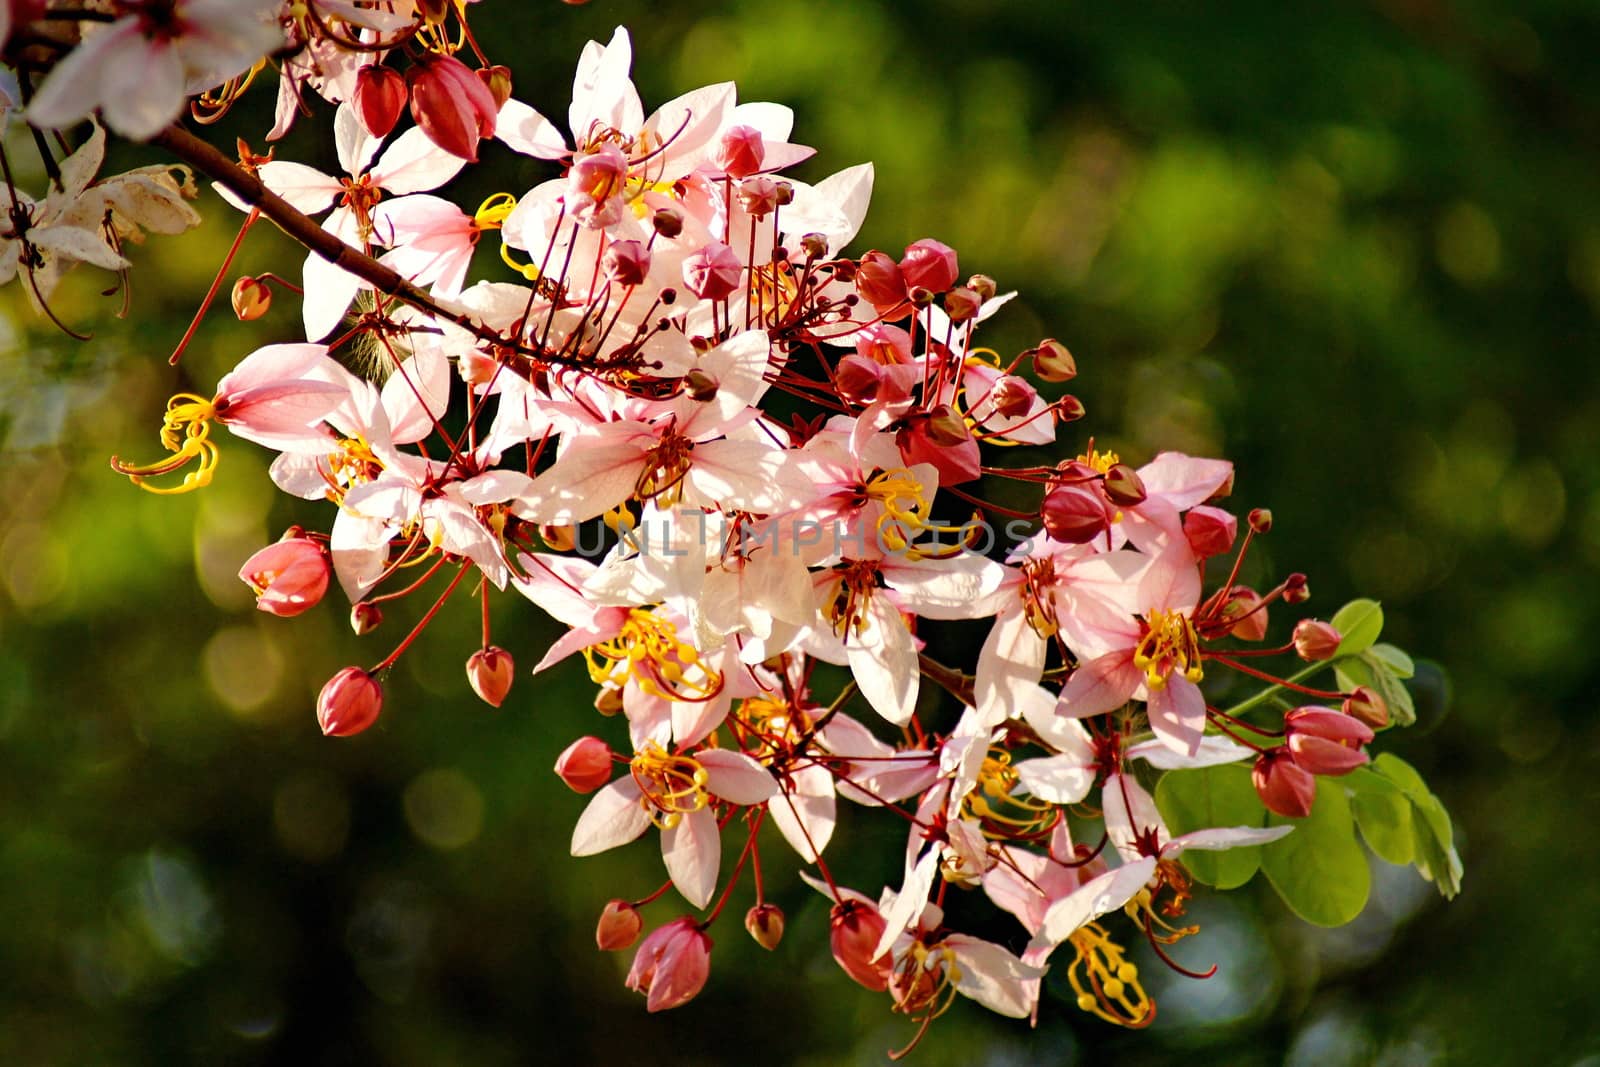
[{"x": 1351, "y": 247}]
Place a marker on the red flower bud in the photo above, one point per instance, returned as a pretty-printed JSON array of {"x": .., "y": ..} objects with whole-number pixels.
[
  {"x": 619, "y": 926},
  {"x": 1283, "y": 786},
  {"x": 349, "y": 703},
  {"x": 1244, "y": 605},
  {"x": 1260, "y": 520},
  {"x": 1124, "y": 487},
  {"x": 879, "y": 282},
  {"x": 379, "y": 98},
  {"x": 962, "y": 304},
  {"x": 1367, "y": 707},
  {"x": 365, "y": 617},
  {"x": 941, "y": 438},
  {"x": 854, "y": 929},
  {"x": 585, "y": 765},
  {"x": 1295, "y": 589},
  {"x": 498, "y": 81},
  {"x": 714, "y": 272},
  {"x": 490, "y": 672},
  {"x": 741, "y": 151},
  {"x": 930, "y": 265},
  {"x": 1013, "y": 397},
  {"x": 1074, "y": 514},
  {"x": 252, "y": 298},
  {"x": 1052, "y": 362},
  {"x": 857, "y": 378},
  {"x": 672, "y": 964},
  {"x": 1315, "y": 641},
  {"x": 1210, "y": 531},
  {"x": 452, "y": 105},
  {"x": 627, "y": 262},
  {"x": 765, "y": 924},
  {"x": 288, "y": 577},
  {"x": 759, "y": 196},
  {"x": 1325, "y": 741}
]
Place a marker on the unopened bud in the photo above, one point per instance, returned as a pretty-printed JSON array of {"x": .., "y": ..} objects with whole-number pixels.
[
  {"x": 585, "y": 765},
  {"x": 758, "y": 196},
  {"x": 667, "y": 221},
  {"x": 1073, "y": 515},
  {"x": 490, "y": 672},
  {"x": 857, "y": 378},
  {"x": 380, "y": 96},
  {"x": 1210, "y": 531},
  {"x": 1366, "y": 706},
  {"x": 1260, "y": 520},
  {"x": 1325, "y": 741},
  {"x": 1248, "y": 612},
  {"x": 498, "y": 82},
  {"x": 785, "y": 193},
  {"x": 878, "y": 280},
  {"x": 930, "y": 264},
  {"x": 1295, "y": 589},
  {"x": 741, "y": 151},
  {"x": 961, "y": 304},
  {"x": 608, "y": 702},
  {"x": 1315, "y": 641},
  {"x": 365, "y": 617},
  {"x": 814, "y": 245},
  {"x": 700, "y": 386},
  {"x": 855, "y": 928},
  {"x": 1013, "y": 397},
  {"x": 1052, "y": 361},
  {"x": 765, "y": 923},
  {"x": 252, "y": 298},
  {"x": 1124, "y": 487},
  {"x": 627, "y": 262},
  {"x": 349, "y": 703},
  {"x": 945, "y": 428},
  {"x": 619, "y": 926},
  {"x": 921, "y": 295},
  {"x": 287, "y": 577},
  {"x": 1069, "y": 409},
  {"x": 714, "y": 272},
  {"x": 1283, "y": 786},
  {"x": 983, "y": 285}
]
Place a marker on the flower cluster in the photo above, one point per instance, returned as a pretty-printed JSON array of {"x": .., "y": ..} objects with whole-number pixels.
[{"x": 751, "y": 475}]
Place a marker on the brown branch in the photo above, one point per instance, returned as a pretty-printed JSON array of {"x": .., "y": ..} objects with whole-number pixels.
[{"x": 249, "y": 188}]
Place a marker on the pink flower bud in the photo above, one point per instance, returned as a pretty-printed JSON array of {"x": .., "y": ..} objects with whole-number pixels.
[
  {"x": 1012, "y": 397},
  {"x": 1074, "y": 514},
  {"x": 1325, "y": 741},
  {"x": 1052, "y": 362},
  {"x": 365, "y": 617},
  {"x": 627, "y": 262},
  {"x": 477, "y": 368},
  {"x": 758, "y": 196},
  {"x": 962, "y": 304},
  {"x": 452, "y": 105},
  {"x": 1124, "y": 487},
  {"x": 941, "y": 438},
  {"x": 1315, "y": 641},
  {"x": 1367, "y": 707},
  {"x": 1260, "y": 520},
  {"x": 379, "y": 98},
  {"x": 1283, "y": 786},
  {"x": 490, "y": 672},
  {"x": 741, "y": 151},
  {"x": 1070, "y": 409},
  {"x": 879, "y": 282},
  {"x": 619, "y": 926},
  {"x": 667, "y": 221},
  {"x": 854, "y": 929},
  {"x": 1295, "y": 589},
  {"x": 765, "y": 923},
  {"x": 857, "y": 378},
  {"x": 984, "y": 286},
  {"x": 714, "y": 272},
  {"x": 252, "y": 298},
  {"x": 498, "y": 81},
  {"x": 288, "y": 577},
  {"x": 1244, "y": 605},
  {"x": 349, "y": 703},
  {"x": 672, "y": 964},
  {"x": 585, "y": 765},
  {"x": 930, "y": 265},
  {"x": 1210, "y": 531}
]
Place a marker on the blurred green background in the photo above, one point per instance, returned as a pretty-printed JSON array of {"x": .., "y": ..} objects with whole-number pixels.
[{"x": 1353, "y": 248}]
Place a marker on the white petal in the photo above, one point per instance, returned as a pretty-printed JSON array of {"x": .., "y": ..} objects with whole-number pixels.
[
  {"x": 1058, "y": 779},
  {"x": 1095, "y": 898},
  {"x": 884, "y": 662},
  {"x": 735, "y": 776},
  {"x": 614, "y": 817},
  {"x": 692, "y": 851}
]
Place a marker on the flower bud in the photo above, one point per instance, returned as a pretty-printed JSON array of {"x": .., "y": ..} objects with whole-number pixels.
[
  {"x": 1283, "y": 786},
  {"x": 930, "y": 264},
  {"x": 1052, "y": 362},
  {"x": 1295, "y": 589},
  {"x": 627, "y": 262},
  {"x": 1260, "y": 520},
  {"x": 619, "y": 926},
  {"x": 672, "y": 964},
  {"x": 758, "y": 196},
  {"x": 365, "y": 617},
  {"x": 857, "y": 378},
  {"x": 380, "y": 96},
  {"x": 945, "y": 428},
  {"x": 585, "y": 765},
  {"x": 668, "y": 222},
  {"x": 1245, "y": 606},
  {"x": 1210, "y": 531},
  {"x": 452, "y": 105},
  {"x": 785, "y": 192},
  {"x": 854, "y": 929},
  {"x": 349, "y": 702},
  {"x": 984, "y": 286},
  {"x": 1123, "y": 486},
  {"x": 498, "y": 81},
  {"x": 1012, "y": 396},
  {"x": 765, "y": 924},
  {"x": 714, "y": 272},
  {"x": 1315, "y": 641},
  {"x": 814, "y": 245},
  {"x": 1069, "y": 409},
  {"x": 1073, "y": 514},
  {"x": 252, "y": 298},
  {"x": 740, "y": 151},
  {"x": 288, "y": 577},
  {"x": 1367, "y": 707},
  {"x": 961, "y": 304},
  {"x": 490, "y": 672},
  {"x": 878, "y": 280},
  {"x": 608, "y": 701},
  {"x": 1325, "y": 741}
]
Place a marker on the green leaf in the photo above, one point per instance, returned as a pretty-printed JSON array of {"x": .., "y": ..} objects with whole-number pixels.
[
  {"x": 1320, "y": 870},
  {"x": 1377, "y": 671},
  {"x": 1434, "y": 842},
  {"x": 1213, "y": 797},
  {"x": 1383, "y": 813},
  {"x": 1359, "y": 624}
]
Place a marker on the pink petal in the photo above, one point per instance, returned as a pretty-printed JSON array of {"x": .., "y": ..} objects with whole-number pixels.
[
  {"x": 692, "y": 851},
  {"x": 735, "y": 776},
  {"x": 1102, "y": 684},
  {"x": 613, "y": 817}
]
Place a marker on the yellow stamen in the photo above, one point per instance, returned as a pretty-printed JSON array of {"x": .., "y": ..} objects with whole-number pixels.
[
  {"x": 1038, "y": 599},
  {"x": 664, "y": 468},
  {"x": 648, "y": 650},
  {"x": 1000, "y": 813},
  {"x": 670, "y": 787},
  {"x": 492, "y": 213},
  {"x": 767, "y": 725},
  {"x": 905, "y": 512},
  {"x": 1171, "y": 644},
  {"x": 925, "y": 982},
  {"x": 190, "y": 416},
  {"x": 1099, "y": 462},
  {"x": 1107, "y": 985}
]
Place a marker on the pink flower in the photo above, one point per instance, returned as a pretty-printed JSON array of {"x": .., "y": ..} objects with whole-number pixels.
[
  {"x": 1325, "y": 741},
  {"x": 929, "y": 264},
  {"x": 672, "y": 965},
  {"x": 452, "y": 105},
  {"x": 349, "y": 703},
  {"x": 1283, "y": 785},
  {"x": 288, "y": 577}
]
